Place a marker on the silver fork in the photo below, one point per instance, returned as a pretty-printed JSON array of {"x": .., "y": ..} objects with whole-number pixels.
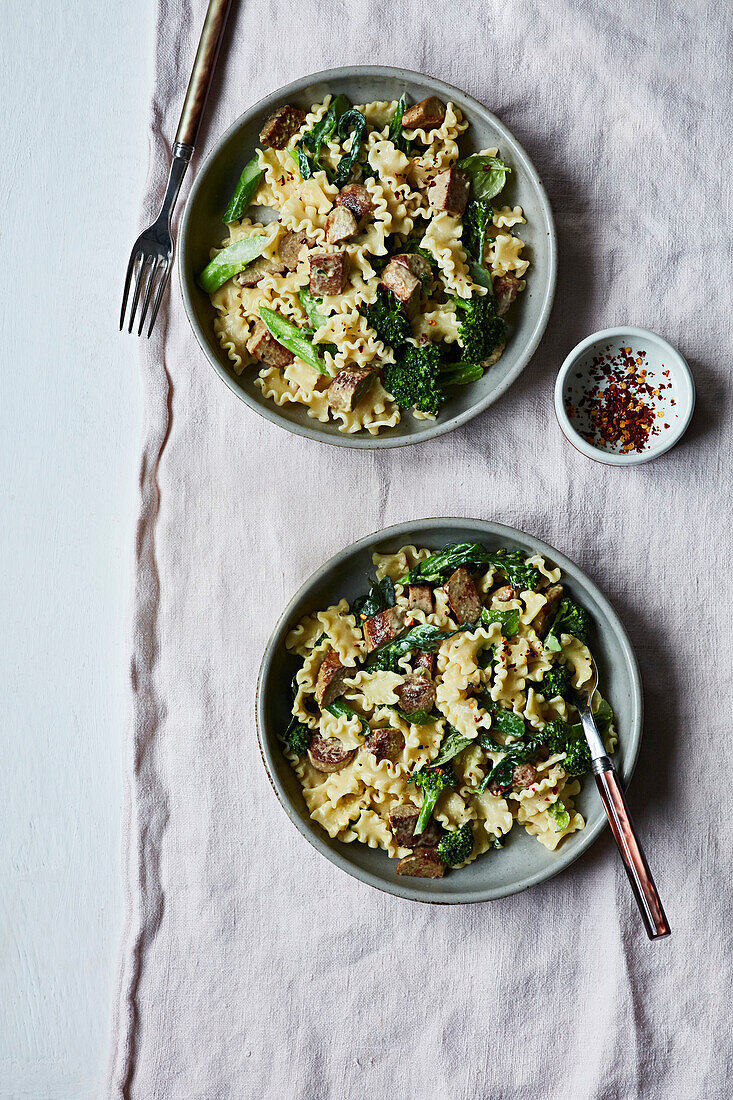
[
  {"x": 152, "y": 254},
  {"x": 617, "y": 811}
]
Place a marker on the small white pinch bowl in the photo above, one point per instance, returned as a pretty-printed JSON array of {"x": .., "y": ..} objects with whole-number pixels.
[{"x": 664, "y": 365}]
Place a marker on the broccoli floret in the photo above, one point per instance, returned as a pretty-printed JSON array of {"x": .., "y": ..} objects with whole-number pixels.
[
  {"x": 388, "y": 321},
  {"x": 556, "y": 681},
  {"x": 420, "y": 376},
  {"x": 456, "y": 847},
  {"x": 480, "y": 331},
  {"x": 577, "y": 760},
  {"x": 556, "y": 735},
  {"x": 432, "y": 782},
  {"x": 298, "y": 737},
  {"x": 559, "y": 736},
  {"x": 477, "y": 218},
  {"x": 571, "y": 618}
]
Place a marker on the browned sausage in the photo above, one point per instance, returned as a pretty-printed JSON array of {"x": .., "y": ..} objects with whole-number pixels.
[
  {"x": 327, "y": 273},
  {"x": 341, "y": 225},
  {"x": 384, "y": 743},
  {"x": 258, "y": 269},
  {"x": 331, "y": 676},
  {"x": 463, "y": 597},
  {"x": 357, "y": 199},
  {"x": 383, "y": 627},
  {"x": 425, "y": 660},
  {"x": 543, "y": 619},
  {"x": 428, "y": 114},
  {"x": 506, "y": 288},
  {"x": 403, "y": 819},
  {"x": 524, "y": 775},
  {"x": 289, "y": 248},
  {"x": 348, "y": 387},
  {"x": 422, "y": 863},
  {"x": 449, "y": 191},
  {"x": 405, "y": 286},
  {"x": 281, "y": 126},
  {"x": 265, "y": 348},
  {"x": 503, "y": 594},
  {"x": 420, "y": 598},
  {"x": 327, "y": 754},
  {"x": 416, "y": 693}
]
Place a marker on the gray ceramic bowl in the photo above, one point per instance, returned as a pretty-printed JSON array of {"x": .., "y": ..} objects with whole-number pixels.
[
  {"x": 523, "y": 861},
  {"x": 202, "y": 227}
]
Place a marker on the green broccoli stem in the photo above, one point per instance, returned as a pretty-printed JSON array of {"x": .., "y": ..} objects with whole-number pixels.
[{"x": 429, "y": 799}]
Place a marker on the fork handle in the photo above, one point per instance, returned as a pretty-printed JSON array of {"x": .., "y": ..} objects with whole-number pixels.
[
  {"x": 202, "y": 72},
  {"x": 632, "y": 853}
]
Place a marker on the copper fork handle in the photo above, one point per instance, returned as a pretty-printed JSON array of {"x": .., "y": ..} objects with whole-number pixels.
[
  {"x": 202, "y": 72},
  {"x": 632, "y": 854}
]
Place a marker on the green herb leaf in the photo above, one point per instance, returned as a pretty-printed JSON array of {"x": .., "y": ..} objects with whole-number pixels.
[
  {"x": 354, "y": 123},
  {"x": 396, "y": 134},
  {"x": 381, "y": 595},
  {"x": 293, "y": 338},
  {"x": 452, "y": 745},
  {"x": 418, "y": 717},
  {"x": 438, "y": 566},
  {"x": 244, "y": 192},
  {"x": 508, "y": 620},
  {"x": 231, "y": 260},
  {"x": 487, "y": 175},
  {"x": 424, "y": 637},
  {"x": 322, "y": 132}
]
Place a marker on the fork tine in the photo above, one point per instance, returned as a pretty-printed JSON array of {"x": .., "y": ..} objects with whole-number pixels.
[
  {"x": 155, "y": 268},
  {"x": 159, "y": 295},
  {"x": 130, "y": 268},
  {"x": 145, "y": 271}
]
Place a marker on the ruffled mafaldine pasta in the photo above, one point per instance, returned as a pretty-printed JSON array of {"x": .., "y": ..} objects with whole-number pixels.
[
  {"x": 437, "y": 710},
  {"x": 366, "y": 269}
]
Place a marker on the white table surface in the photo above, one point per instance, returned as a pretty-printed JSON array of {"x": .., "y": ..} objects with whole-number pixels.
[{"x": 74, "y": 83}]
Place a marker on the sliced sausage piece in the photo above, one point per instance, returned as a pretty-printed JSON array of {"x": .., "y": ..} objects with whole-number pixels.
[
  {"x": 494, "y": 357},
  {"x": 403, "y": 819},
  {"x": 506, "y": 288},
  {"x": 422, "y": 863},
  {"x": 449, "y": 191},
  {"x": 384, "y": 743},
  {"x": 357, "y": 200},
  {"x": 341, "y": 225},
  {"x": 265, "y": 348},
  {"x": 383, "y": 627},
  {"x": 327, "y": 273},
  {"x": 290, "y": 246},
  {"x": 524, "y": 775},
  {"x": 543, "y": 619},
  {"x": 327, "y": 754},
  {"x": 425, "y": 660},
  {"x": 280, "y": 127},
  {"x": 331, "y": 676},
  {"x": 416, "y": 693},
  {"x": 420, "y": 598},
  {"x": 426, "y": 115},
  {"x": 503, "y": 594},
  {"x": 405, "y": 286},
  {"x": 414, "y": 262},
  {"x": 463, "y": 597},
  {"x": 256, "y": 271},
  {"x": 348, "y": 388}
]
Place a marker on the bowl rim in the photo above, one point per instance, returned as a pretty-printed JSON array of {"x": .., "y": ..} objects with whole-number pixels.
[
  {"x": 432, "y": 429},
  {"x": 686, "y": 391},
  {"x": 311, "y": 831}
]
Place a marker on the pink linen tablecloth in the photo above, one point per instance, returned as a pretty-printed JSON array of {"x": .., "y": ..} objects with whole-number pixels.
[{"x": 251, "y": 967}]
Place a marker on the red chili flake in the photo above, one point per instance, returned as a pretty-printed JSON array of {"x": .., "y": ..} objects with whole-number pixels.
[{"x": 615, "y": 401}]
